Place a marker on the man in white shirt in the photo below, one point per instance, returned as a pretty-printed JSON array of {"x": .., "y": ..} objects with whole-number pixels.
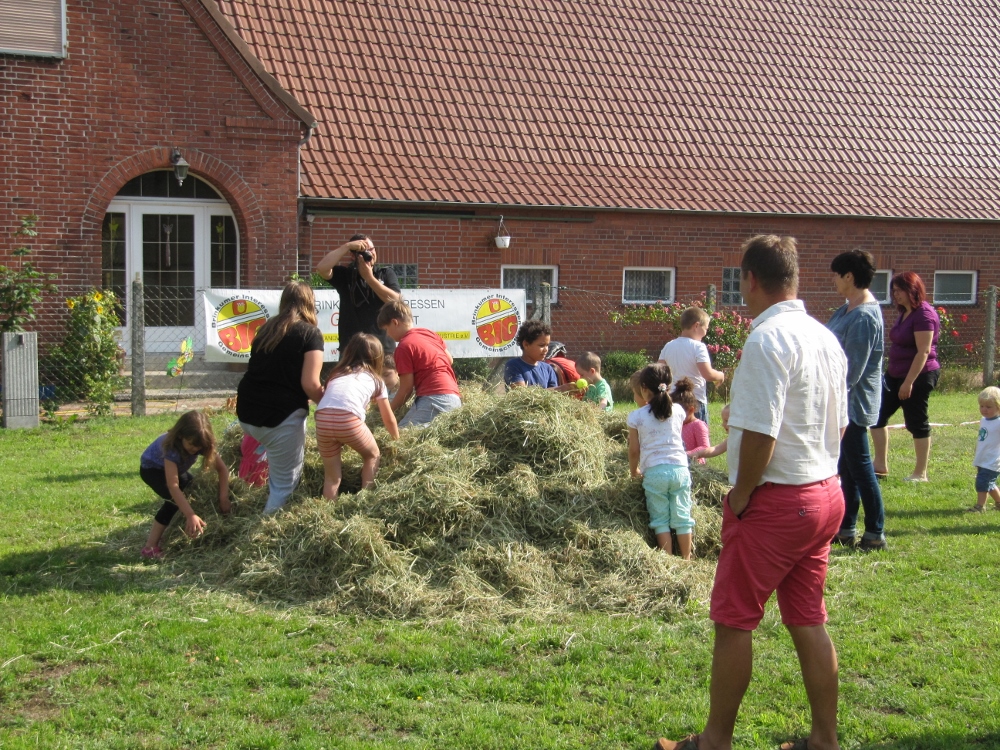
[{"x": 788, "y": 412}]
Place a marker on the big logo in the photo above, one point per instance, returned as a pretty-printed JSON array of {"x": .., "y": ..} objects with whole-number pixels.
[
  {"x": 497, "y": 320},
  {"x": 237, "y": 321}
]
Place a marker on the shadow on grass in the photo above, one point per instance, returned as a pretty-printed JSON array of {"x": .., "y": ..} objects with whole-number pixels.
[
  {"x": 929, "y": 513},
  {"x": 940, "y": 741},
  {"x": 83, "y": 476},
  {"x": 978, "y": 530}
]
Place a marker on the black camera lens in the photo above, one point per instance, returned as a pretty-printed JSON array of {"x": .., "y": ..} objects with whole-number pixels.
[{"x": 366, "y": 255}]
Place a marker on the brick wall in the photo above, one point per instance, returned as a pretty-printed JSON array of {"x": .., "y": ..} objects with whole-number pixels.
[
  {"x": 142, "y": 76},
  {"x": 591, "y": 253}
]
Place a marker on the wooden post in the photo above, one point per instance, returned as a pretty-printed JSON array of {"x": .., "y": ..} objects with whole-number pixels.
[
  {"x": 137, "y": 319},
  {"x": 710, "y": 299}
]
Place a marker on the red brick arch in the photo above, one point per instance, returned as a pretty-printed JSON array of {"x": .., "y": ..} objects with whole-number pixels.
[{"x": 246, "y": 208}]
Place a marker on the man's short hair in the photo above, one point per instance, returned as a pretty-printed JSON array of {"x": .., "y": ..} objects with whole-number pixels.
[
  {"x": 774, "y": 262},
  {"x": 588, "y": 361},
  {"x": 858, "y": 262},
  {"x": 693, "y": 315},
  {"x": 395, "y": 310},
  {"x": 530, "y": 330}
]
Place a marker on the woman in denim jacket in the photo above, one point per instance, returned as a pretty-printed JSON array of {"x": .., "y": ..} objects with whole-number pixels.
[{"x": 859, "y": 328}]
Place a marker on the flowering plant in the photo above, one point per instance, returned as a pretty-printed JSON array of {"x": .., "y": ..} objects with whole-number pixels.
[
  {"x": 954, "y": 345},
  {"x": 86, "y": 365},
  {"x": 727, "y": 329}
]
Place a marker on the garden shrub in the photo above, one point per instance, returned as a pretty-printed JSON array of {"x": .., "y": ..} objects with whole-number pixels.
[
  {"x": 619, "y": 365},
  {"x": 473, "y": 368}
]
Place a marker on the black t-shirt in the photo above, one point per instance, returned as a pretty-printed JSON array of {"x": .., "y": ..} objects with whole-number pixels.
[
  {"x": 271, "y": 389},
  {"x": 359, "y": 305}
]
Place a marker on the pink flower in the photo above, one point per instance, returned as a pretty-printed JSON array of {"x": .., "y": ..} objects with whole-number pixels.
[
  {"x": 712, "y": 349},
  {"x": 703, "y": 295},
  {"x": 968, "y": 348},
  {"x": 719, "y": 331},
  {"x": 737, "y": 318},
  {"x": 965, "y": 318},
  {"x": 725, "y": 348},
  {"x": 942, "y": 311},
  {"x": 716, "y": 315},
  {"x": 739, "y": 354},
  {"x": 955, "y": 334}
]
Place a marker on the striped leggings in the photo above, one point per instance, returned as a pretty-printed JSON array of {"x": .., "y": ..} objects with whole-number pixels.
[{"x": 336, "y": 428}]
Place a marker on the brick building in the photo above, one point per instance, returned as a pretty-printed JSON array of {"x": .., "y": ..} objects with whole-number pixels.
[{"x": 629, "y": 147}]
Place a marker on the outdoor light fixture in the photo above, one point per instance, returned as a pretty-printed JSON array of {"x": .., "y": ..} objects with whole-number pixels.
[
  {"x": 502, "y": 239},
  {"x": 180, "y": 166}
]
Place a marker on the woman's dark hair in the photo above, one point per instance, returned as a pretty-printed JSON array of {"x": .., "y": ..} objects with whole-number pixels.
[
  {"x": 364, "y": 352},
  {"x": 656, "y": 379},
  {"x": 858, "y": 262},
  {"x": 297, "y": 304},
  {"x": 683, "y": 395},
  {"x": 193, "y": 426},
  {"x": 910, "y": 284},
  {"x": 530, "y": 330}
]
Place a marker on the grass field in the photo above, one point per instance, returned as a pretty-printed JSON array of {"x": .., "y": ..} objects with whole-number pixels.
[{"x": 98, "y": 650}]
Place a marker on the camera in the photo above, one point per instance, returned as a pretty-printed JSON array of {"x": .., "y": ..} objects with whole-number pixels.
[{"x": 366, "y": 255}]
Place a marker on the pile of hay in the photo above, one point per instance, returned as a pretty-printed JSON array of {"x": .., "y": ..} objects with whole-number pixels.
[{"x": 511, "y": 505}]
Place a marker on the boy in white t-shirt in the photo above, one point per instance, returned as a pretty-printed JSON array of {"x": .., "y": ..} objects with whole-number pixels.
[
  {"x": 987, "y": 460},
  {"x": 687, "y": 357}
]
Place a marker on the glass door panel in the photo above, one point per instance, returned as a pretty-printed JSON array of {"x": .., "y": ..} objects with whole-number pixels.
[
  {"x": 114, "y": 267},
  {"x": 225, "y": 253},
  {"x": 168, "y": 269}
]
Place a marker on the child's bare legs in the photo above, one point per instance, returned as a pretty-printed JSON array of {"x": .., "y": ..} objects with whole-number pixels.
[
  {"x": 664, "y": 542},
  {"x": 684, "y": 543},
  {"x": 995, "y": 494},
  {"x": 371, "y": 456},
  {"x": 155, "y": 534},
  {"x": 332, "y": 474}
]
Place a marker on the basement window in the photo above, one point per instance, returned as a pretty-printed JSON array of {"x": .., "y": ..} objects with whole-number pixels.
[{"x": 955, "y": 287}]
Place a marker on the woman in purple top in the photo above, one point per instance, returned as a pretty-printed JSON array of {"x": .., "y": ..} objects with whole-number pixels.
[{"x": 912, "y": 373}]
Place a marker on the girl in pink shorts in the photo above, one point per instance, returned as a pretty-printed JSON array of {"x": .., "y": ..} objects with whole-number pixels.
[{"x": 340, "y": 416}]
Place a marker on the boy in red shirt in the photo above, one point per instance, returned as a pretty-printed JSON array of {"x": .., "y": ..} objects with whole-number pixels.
[{"x": 422, "y": 362}]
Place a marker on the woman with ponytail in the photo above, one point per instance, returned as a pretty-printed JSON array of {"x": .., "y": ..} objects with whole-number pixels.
[{"x": 656, "y": 453}]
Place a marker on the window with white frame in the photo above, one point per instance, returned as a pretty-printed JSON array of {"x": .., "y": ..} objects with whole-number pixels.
[
  {"x": 646, "y": 285},
  {"x": 880, "y": 287},
  {"x": 730, "y": 292},
  {"x": 955, "y": 287},
  {"x": 530, "y": 278},
  {"x": 33, "y": 27}
]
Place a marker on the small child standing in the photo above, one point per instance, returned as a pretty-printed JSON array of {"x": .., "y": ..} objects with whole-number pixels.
[
  {"x": 687, "y": 357},
  {"x": 695, "y": 432},
  {"x": 656, "y": 452},
  {"x": 987, "y": 460},
  {"x": 599, "y": 392},
  {"x": 716, "y": 450},
  {"x": 165, "y": 466},
  {"x": 340, "y": 414}
]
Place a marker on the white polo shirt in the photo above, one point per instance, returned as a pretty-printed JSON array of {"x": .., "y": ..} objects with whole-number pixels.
[
  {"x": 791, "y": 384},
  {"x": 682, "y": 356}
]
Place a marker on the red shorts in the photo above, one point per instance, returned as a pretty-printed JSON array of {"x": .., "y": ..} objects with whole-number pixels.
[{"x": 780, "y": 543}]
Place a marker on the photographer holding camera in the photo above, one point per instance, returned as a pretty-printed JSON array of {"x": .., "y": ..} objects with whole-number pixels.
[{"x": 362, "y": 289}]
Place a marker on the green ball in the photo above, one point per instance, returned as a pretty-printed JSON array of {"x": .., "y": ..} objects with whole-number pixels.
[{"x": 581, "y": 384}]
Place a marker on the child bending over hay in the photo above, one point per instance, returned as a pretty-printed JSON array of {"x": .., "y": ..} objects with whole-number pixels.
[
  {"x": 340, "y": 415},
  {"x": 695, "y": 432},
  {"x": 656, "y": 452}
]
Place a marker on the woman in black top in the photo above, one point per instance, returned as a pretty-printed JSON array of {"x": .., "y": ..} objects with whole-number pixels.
[{"x": 273, "y": 397}]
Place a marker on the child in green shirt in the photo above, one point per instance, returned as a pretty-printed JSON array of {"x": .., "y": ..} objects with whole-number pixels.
[{"x": 599, "y": 391}]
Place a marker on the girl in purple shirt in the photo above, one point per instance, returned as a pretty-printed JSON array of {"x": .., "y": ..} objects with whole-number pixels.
[{"x": 912, "y": 373}]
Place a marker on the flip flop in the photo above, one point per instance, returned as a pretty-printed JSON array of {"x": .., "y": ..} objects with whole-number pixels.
[
  {"x": 688, "y": 743},
  {"x": 881, "y": 474}
]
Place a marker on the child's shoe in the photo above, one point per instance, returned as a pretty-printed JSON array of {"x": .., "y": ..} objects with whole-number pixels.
[
  {"x": 152, "y": 553},
  {"x": 976, "y": 509}
]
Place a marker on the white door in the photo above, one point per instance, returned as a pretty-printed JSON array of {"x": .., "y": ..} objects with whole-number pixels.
[{"x": 177, "y": 248}]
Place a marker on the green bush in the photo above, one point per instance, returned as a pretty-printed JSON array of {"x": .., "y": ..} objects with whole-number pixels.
[
  {"x": 474, "y": 368},
  {"x": 21, "y": 284},
  {"x": 619, "y": 365}
]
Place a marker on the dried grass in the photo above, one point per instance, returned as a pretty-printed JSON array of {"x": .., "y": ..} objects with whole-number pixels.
[{"x": 512, "y": 505}]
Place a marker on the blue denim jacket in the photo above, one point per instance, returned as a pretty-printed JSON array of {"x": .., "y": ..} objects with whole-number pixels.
[{"x": 861, "y": 333}]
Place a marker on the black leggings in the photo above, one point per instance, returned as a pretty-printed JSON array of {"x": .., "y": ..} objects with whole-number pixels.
[
  {"x": 157, "y": 481},
  {"x": 914, "y": 408}
]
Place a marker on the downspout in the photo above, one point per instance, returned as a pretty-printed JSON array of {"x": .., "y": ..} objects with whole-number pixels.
[{"x": 298, "y": 192}]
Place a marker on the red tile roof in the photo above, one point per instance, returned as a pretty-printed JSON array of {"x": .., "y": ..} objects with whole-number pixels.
[{"x": 878, "y": 108}]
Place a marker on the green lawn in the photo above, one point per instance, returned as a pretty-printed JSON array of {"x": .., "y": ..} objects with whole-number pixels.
[{"x": 98, "y": 650}]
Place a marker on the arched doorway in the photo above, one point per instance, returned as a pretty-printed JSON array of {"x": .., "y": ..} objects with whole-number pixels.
[{"x": 180, "y": 239}]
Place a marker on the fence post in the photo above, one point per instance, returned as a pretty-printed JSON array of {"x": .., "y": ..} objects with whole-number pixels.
[
  {"x": 990, "y": 341},
  {"x": 138, "y": 320},
  {"x": 545, "y": 304},
  {"x": 710, "y": 298}
]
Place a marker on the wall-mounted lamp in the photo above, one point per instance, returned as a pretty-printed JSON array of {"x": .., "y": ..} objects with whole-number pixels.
[
  {"x": 310, "y": 218},
  {"x": 502, "y": 239},
  {"x": 180, "y": 166}
]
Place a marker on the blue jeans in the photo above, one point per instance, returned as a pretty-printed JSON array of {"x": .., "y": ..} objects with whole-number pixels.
[
  {"x": 701, "y": 412},
  {"x": 859, "y": 484},
  {"x": 986, "y": 479}
]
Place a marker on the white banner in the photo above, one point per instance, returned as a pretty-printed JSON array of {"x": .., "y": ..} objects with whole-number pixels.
[{"x": 472, "y": 322}]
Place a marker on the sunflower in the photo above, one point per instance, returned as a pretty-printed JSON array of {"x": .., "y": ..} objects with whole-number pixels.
[{"x": 70, "y": 304}]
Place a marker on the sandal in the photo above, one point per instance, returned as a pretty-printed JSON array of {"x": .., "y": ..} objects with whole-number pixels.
[
  {"x": 152, "y": 553},
  {"x": 688, "y": 743},
  {"x": 976, "y": 509}
]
